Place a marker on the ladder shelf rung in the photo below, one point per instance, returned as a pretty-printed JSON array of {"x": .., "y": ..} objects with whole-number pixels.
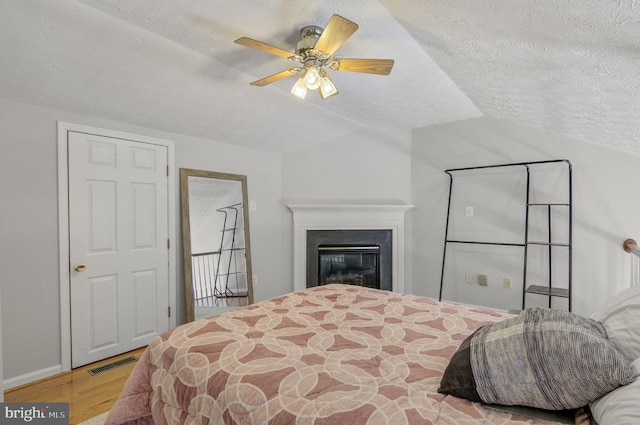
[
  {"x": 545, "y": 290},
  {"x": 547, "y": 243},
  {"x": 231, "y": 273},
  {"x": 485, "y": 243}
]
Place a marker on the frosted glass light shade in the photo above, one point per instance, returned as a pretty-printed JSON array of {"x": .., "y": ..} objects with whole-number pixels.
[
  {"x": 327, "y": 88},
  {"x": 299, "y": 89},
  {"x": 312, "y": 78}
]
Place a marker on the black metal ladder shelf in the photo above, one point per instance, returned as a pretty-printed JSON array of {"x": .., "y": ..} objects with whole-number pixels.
[
  {"x": 546, "y": 290},
  {"x": 230, "y": 268}
]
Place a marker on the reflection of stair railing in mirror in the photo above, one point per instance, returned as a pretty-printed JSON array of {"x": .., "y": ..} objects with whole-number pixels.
[
  {"x": 203, "y": 266},
  {"x": 631, "y": 247},
  {"x": 230, "y": 276}
]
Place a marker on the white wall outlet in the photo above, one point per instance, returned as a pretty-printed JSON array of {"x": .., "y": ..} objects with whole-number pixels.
[
  {"x": 253, "y": 206},
  {"x": 468, "y": 212},
  {"x": 482, "y": 280},
  {"x": 468, "y": 278},
  {"x": 507, "y": 282},
  {"x": 254, "y": 280}
]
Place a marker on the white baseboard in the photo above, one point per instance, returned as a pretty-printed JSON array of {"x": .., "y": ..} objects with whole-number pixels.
[{"x": 31, "y": 377}]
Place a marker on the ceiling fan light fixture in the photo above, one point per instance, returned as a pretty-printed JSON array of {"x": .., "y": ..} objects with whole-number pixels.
[
  {"x": 299, "y": 89},
  {"x": 327, "y": 88}
]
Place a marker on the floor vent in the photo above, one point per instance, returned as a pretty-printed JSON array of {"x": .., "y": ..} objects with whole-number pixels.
[{"x": 113, "y": 365}]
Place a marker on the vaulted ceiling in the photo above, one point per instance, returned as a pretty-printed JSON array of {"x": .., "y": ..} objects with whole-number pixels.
[{"x": 569, "y": 67}]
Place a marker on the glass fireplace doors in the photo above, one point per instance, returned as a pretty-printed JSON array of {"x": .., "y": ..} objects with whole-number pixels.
[{"x": 353, "y": 265}]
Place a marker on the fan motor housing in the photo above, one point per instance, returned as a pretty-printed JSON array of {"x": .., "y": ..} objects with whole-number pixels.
[{"x": 310, "y": 35}]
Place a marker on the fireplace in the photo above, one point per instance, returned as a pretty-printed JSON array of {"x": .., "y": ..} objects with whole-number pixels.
[
  {"x": 338, "y": 217},
  {"x": 355, "y": 257}
]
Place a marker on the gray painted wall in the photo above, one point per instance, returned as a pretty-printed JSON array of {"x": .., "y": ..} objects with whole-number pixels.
[
  {"x": 372, "y": 165},
  {"x": 29, "y": 226}
]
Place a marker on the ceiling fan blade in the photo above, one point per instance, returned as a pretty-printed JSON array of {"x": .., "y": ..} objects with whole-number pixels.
[
  {"x": 277, "y": 76},
  {"x": 255, "y": 44},
  {"x": 367, "y": 66},
  {"x": 338, "y": 30}
]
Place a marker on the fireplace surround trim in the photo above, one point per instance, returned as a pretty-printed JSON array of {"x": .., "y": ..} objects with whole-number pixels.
[{"x": 348, "y": 217}]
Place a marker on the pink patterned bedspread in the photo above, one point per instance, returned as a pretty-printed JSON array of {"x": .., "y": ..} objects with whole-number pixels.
[{"x": 329, "y": 355}]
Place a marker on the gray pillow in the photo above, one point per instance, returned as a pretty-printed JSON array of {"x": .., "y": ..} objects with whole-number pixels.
[{"x": 544, "y": 358}]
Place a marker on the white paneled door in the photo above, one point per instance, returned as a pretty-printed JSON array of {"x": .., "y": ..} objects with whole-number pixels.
[{"x": 118, "y": 237}]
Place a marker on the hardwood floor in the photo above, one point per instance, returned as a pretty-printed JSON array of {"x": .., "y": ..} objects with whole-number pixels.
[{"x": 87, "y": 395}]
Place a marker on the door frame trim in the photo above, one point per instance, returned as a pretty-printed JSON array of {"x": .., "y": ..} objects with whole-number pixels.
[{"x": 63, "y": 224}]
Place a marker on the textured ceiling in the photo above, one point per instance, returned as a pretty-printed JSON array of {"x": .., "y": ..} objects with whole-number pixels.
[{"x": 569, "y": 67}]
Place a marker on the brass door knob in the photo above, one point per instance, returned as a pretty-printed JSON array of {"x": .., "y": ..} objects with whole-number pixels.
[{"x": 79, "y": 267}]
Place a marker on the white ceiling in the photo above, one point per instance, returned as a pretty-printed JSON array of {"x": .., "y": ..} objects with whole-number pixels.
[{"x": 569, "y": 67}]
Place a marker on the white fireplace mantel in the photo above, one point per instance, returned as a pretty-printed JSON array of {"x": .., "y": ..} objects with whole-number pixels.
[{"x": 348, "y": 217}]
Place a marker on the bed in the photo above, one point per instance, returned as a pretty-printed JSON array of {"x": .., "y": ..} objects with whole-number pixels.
[{"x": 333, "y": 354}]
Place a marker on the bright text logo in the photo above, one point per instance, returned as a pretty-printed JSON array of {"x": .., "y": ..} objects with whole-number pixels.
[{"x": 34, "y": 413}]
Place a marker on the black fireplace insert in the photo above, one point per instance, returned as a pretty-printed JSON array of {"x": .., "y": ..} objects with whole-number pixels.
[
  {"x": 352, "y": 265},
  {"x": 354, "y": 257}
]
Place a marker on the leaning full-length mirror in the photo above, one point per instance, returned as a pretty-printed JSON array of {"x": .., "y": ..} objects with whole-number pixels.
[{"x": 215, "y": 239}]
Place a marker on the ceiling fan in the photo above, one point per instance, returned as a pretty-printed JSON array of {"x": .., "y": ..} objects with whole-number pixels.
[{"x": 315, "y": 53}]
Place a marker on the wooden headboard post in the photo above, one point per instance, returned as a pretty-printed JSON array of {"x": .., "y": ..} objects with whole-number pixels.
[{"x": 631, "y": 247}]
